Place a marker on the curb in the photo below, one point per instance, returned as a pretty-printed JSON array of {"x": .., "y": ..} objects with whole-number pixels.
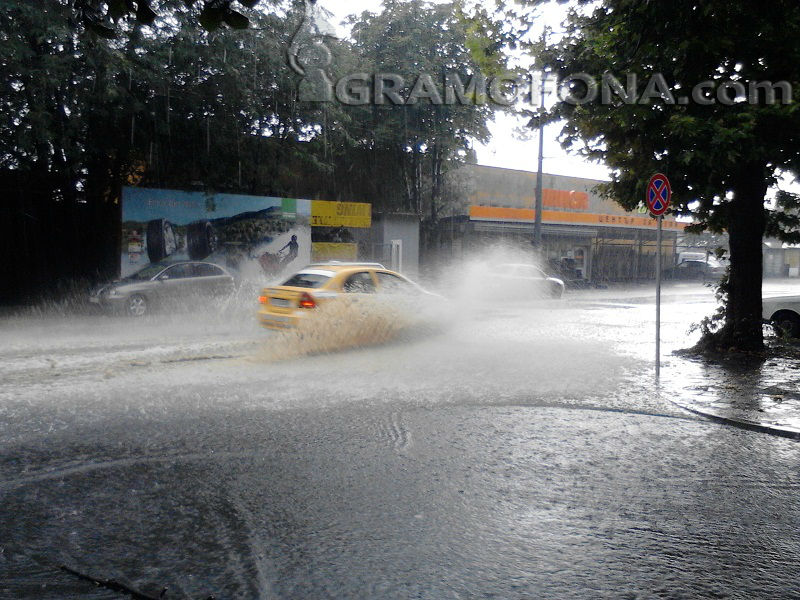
[{"x": 784, "y": 432}]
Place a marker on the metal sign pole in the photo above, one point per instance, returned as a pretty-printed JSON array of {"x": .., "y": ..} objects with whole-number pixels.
[
  {"x": 537, "y": 225},
  {"x": 659, "y": 196},
  {"x": 658, "y": 302}
]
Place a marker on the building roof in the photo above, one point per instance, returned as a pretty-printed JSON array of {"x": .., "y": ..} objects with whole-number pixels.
[{"x": 534, "y": 173}]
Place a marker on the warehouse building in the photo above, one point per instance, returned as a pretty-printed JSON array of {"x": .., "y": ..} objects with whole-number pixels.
[{"x": 585, "y": 236}]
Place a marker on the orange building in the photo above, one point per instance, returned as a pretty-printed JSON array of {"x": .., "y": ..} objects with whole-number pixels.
[{"x": 584, "y": 235}]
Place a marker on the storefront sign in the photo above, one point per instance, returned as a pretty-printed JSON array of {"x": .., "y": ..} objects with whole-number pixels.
[{"x": 552, "y": 217}]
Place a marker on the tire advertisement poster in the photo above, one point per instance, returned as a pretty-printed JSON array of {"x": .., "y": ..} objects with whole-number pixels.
[{"x": 256, "y": 237}]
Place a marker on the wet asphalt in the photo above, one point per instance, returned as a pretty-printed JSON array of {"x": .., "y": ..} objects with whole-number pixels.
[{"x": 522, "y": 451}]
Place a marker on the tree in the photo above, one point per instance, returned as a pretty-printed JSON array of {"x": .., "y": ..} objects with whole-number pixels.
[
  {"x": 722, "y": 148},
  {"x": 423, "y": 140},
  {"x": 102, "y": 17},
  {"x": 171, "y": 103},
  {"x": 164, "y": 102}
]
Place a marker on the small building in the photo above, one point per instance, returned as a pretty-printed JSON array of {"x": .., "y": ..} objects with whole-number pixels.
[{"x": 393, "y": 240}]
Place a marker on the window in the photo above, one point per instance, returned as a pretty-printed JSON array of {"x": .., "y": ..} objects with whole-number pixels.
[
  {"x": 393, "y": 284},
  {"x": 359, "y": 283},
  {"x": 206, "y": 270},
  {"x": 148, "y": 272},
  {"x": 178, "y": 272},
  {"x": 308, "y": 280}
]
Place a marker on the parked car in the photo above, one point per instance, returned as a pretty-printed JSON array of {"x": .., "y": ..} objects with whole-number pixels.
[
  {"x": 285, "y": 306},
  {"x": 696, "y": 270},
  {"x": 525, "y": 280},
  {"x": 784, "y": 313},
  {"x": 162, "y": 284}
]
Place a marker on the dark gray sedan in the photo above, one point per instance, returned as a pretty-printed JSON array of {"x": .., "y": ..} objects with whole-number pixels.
[
  {"x": 163, "y": 284},
  {"x": 697, "y": 270}
]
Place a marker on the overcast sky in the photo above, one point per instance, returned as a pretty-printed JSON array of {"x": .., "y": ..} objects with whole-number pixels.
[{"x": 505, "y": 149}]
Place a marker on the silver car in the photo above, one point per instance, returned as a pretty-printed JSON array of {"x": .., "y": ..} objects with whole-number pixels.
[
  {"x": 526, "y": 280},
  {"x": 162, "y": 284}
]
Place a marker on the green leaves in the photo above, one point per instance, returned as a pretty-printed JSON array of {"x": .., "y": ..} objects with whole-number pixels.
[
  {"x": 100, "y": 30},
  {"x": 702, "y": 146},
  {"x": 103, "y": 18},
  {"x": 223, "y": 109},
  {"x": 236, "y": 20},
  {"x": 721, "y": 148},
  {"x": 145, "y": 14},
  {"x": 416, "y": 144},
  {"x": 213, "y": 16},
  {"x": 119, "y": 8},
  {"x": 783, "y": 222}
]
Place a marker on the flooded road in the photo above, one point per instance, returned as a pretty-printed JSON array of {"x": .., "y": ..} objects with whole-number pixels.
[{"x": 521, "y": 452}]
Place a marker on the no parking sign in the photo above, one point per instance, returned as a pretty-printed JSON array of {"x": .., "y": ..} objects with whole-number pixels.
[
  {"x": 659, "y": 194},
  {"x": 658, "y": 198}
]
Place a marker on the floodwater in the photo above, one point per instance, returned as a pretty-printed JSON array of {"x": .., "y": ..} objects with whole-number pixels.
[{"x": 519, "y": 450}]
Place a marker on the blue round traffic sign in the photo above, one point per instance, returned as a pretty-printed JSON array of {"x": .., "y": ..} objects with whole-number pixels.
[{"x": 659, "y": 194}]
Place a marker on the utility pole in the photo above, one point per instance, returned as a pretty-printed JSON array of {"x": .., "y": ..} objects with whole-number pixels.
[
  {"x": 537, "y": 226},
  {"x": 659, "y": 242}
]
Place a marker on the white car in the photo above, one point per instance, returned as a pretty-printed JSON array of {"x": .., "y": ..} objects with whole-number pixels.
[
  {"x": 526, "y": 279},
  {"x": 784, "y": 313}
]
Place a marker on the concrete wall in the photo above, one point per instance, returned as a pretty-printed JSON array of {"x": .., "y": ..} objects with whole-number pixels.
[
  {"x": 389, "y": 227},
  {"x": 492, "y": 186}
]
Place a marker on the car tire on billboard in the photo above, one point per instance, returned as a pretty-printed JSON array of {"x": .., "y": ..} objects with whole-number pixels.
[
  {"x": 161, "y": 240},
  {"x": 201, "y": 240}
]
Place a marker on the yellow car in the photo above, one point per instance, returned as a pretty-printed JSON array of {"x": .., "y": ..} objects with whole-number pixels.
[{"x": 284, "y": 306}]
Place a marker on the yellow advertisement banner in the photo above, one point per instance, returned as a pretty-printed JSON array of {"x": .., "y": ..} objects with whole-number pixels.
[
  {"x": 341, "y": 214},
  {"x": 322, "y": 251}
]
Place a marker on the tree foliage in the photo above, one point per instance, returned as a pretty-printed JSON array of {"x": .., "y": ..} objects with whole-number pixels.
[
  {"x": 167, "y": 103},
  {"x": 412, "y": 39},
  {"x": 721, "y": 157},
  {"x": 103, "y": 17}
]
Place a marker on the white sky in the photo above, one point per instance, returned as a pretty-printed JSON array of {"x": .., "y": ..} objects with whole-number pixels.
[{"x": 506, "y": 149}]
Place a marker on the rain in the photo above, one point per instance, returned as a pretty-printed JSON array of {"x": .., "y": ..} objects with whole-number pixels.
[{"x": 312, "y": 301}]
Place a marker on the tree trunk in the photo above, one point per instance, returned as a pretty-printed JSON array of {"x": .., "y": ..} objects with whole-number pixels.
[{"x": 746, "y": 223}]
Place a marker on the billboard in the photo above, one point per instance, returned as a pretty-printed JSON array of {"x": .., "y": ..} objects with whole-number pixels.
[{"x": 255, "y": 236}]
